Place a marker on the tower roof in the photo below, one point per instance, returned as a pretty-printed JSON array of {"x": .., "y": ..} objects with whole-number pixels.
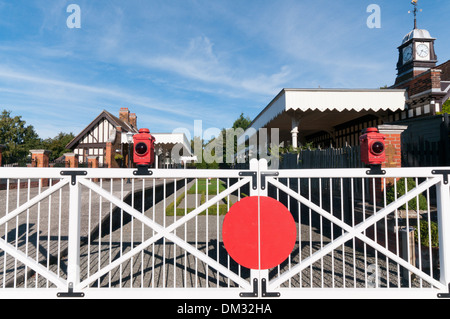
[{"x": 417, "y": 34}]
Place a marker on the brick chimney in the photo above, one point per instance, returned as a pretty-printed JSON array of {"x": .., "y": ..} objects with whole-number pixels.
[
  {"x": 124, "y": 114},
  {"x": 133, "y": 119}
]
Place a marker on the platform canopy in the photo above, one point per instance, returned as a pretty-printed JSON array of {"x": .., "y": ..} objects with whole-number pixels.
[
  {"x": 166, "y": 142},
  {"x": 312, "y": 111}
]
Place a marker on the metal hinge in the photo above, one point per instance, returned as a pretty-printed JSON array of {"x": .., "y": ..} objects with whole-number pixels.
[
  {"x": 444, "y": 173},
  {"x": 70, "y": 293},
  {"x": 264, "y": 293},
  {"x": 267, "y": 174},
  {"x": 142, "y": 170},
  {"x": 252, "y": 294},
  {"x": 443, "y": 295},
  {"x": 376, "y": 170},
  {"x": 74, "y": 175},
  {"x": 254, "y": 177}
]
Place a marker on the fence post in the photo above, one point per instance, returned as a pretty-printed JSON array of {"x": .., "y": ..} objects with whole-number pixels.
[
  {"x": 73, "y": 262},
  {"x": 254, "y": 166},
  {"x": 443, "y": 205}
]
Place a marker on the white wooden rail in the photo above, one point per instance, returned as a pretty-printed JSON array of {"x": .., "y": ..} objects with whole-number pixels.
[{"x": 90, "y": 232}]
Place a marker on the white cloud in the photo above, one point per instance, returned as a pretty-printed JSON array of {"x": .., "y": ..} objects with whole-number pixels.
[
  {"x": 81, "y": 91},
  {"x": 201, "y": 63}
]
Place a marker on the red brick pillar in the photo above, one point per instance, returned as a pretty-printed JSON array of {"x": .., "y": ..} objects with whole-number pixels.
[
  {"x": 93, "y": 163},
  {"x": 109, "y": 154},
  {"x": 40, "y": 158},
  {"x": 1, "y": 150},
  {"x": 393, "y": 144},
  {"x": 71, "y": 159}
]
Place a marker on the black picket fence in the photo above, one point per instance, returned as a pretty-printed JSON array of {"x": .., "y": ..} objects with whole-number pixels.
[{"x": 420, "y": 152}]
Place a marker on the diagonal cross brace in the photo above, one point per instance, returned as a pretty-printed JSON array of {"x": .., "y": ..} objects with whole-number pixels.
[
  {"x": 32, "y": 264},
  {"x": 355, "y": 231},
  {"x": 33, "y": 201},
  {"x": 163, "y": 232}
]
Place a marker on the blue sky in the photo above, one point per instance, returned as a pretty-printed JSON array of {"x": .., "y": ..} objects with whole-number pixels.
[{"x": 176, "y": 61}]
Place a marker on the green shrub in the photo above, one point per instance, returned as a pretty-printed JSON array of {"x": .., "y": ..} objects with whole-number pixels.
[
  {"x": 424, "y": 234},
  {"x": 445, "y": 107},
  {"x": 412, "y": 204}
]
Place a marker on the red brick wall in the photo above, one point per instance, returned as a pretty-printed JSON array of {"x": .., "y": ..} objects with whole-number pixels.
[{"x": 426, "y": 81}]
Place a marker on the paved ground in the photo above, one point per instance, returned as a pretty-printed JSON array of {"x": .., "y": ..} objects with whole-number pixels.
[{"x": 161, "y": 263}]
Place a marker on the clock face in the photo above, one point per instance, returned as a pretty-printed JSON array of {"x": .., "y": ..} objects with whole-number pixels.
[
  {"x": 407, "y": 54},
  {"x": 422, "y": 50}
]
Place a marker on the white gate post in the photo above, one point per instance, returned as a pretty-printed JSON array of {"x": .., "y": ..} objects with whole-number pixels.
[
  {"x": 73, "y": 267},
  {"x": 443, "y": 205},
  {"x": 262, "y": 191},
  {"x": 254, "y": 166}
]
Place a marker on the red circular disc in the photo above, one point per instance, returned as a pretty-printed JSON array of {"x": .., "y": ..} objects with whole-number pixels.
[{"x": 278, "y": 232}]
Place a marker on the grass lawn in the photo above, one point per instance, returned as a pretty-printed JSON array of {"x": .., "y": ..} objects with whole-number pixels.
[{"x": 200, "y": 189}]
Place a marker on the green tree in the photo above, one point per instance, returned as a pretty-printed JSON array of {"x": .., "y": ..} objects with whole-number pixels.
[
  {"x": 18, "y": 137},
  {"x": 227, "y": 136},
  {"x": 230, "y": 138},
  {"x": 242, "y": 122},
  {"x": 57, "y": 145}
]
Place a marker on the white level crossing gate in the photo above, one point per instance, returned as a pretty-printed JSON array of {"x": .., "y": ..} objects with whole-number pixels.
[{"x": 110, "y": 233}]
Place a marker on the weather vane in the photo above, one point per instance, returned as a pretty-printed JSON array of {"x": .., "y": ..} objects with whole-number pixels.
[{"x": 414, "y": 3}]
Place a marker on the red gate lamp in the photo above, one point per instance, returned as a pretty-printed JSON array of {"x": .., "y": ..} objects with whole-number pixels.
[
  {"x": 144, "y": 151},
  {"x": 373, "y": 150}
]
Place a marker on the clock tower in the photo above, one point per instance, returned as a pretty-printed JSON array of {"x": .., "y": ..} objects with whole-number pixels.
[{"x": 416, "y": 53}]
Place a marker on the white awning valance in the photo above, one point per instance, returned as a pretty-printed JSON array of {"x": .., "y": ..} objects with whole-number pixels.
[
  {"x": 311, "y": 102},
  {"x": 171, "y": 139}
]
